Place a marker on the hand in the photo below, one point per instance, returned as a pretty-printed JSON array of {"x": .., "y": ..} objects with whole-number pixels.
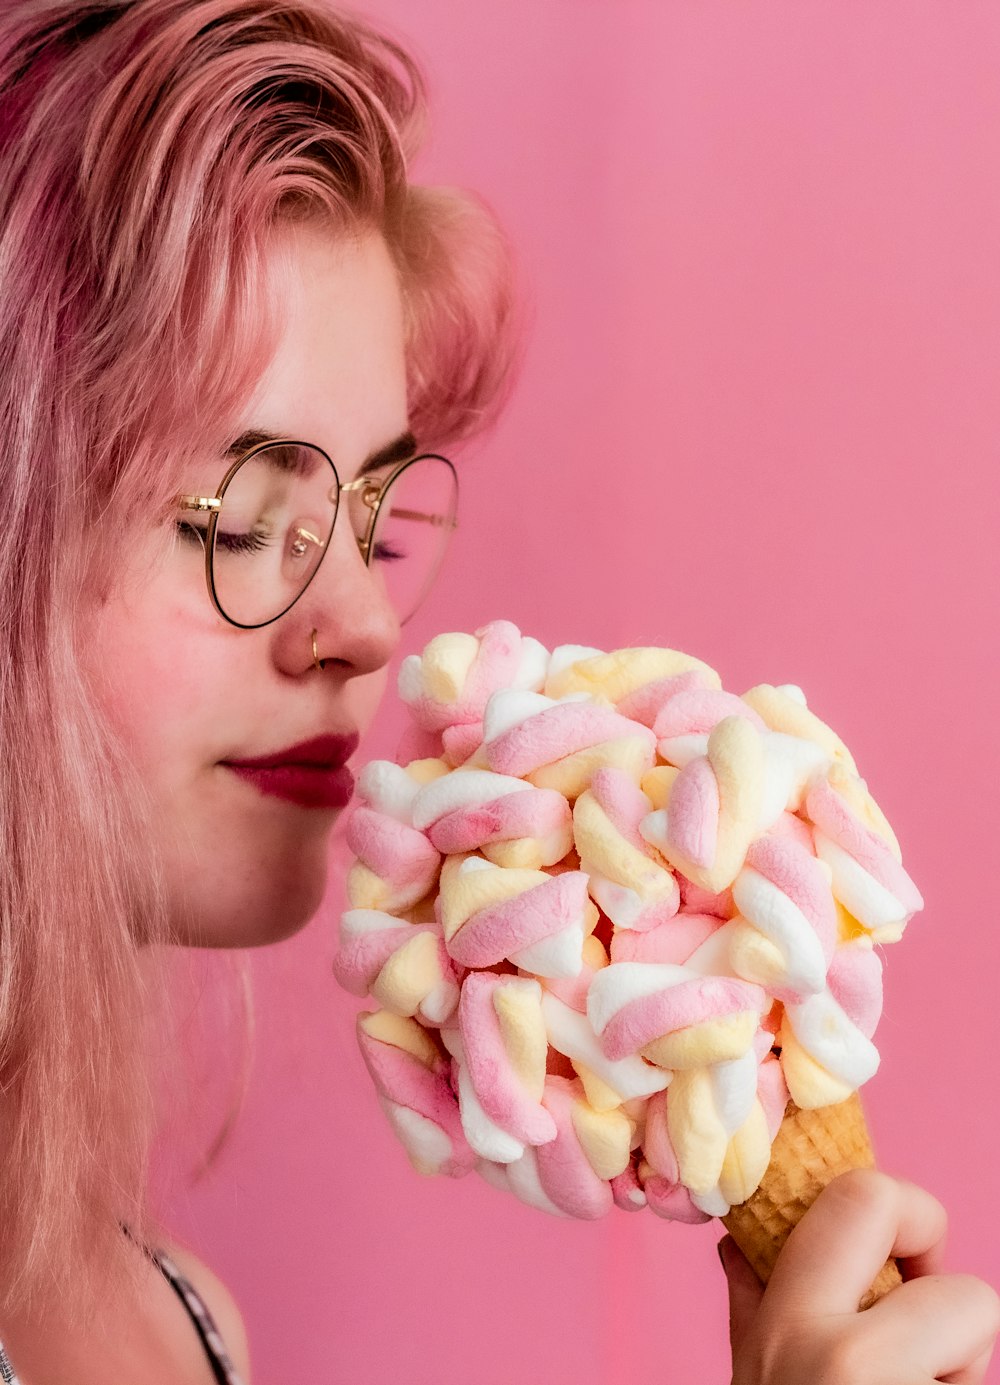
[{"x": 805, "y": 1329}]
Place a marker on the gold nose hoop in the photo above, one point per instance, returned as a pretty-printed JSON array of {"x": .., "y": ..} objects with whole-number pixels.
[{"x": 318, "y": 663}]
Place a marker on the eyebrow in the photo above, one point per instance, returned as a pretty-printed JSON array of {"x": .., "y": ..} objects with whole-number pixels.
[{"x": 396, "y": 451}]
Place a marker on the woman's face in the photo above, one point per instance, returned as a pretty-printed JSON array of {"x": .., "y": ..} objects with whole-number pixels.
[{"x": 190, "y": 693}]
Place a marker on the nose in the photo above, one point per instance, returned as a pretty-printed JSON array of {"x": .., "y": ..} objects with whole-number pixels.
[{"x": 357, "y": 628}]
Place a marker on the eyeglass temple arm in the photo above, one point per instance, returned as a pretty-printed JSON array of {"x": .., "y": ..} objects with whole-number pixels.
[{"x": 199, "y": 502}]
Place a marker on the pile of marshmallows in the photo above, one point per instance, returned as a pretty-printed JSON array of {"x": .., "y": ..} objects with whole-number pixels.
[{"x": 613, "y": 916}]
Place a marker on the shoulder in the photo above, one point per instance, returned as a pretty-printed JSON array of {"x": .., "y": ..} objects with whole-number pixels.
[{"x": 218, "y": 1300}]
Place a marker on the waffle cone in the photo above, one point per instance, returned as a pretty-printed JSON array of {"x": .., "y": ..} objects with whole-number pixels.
[{"x": 810, "y": 1149}]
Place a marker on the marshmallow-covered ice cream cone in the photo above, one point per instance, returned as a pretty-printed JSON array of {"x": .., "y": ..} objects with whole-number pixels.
[
  {"x": 809, "y": 1151},
  {"x": 624, "y": 929}
]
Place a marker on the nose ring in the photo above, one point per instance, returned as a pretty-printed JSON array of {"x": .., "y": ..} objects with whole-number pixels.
[{"x": 318, "y": 663}]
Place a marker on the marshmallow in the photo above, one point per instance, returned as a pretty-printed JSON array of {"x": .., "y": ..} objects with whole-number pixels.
[
  {"x": 396, "y": 865},
  {"x": 403, "y": 966},
  {"x": 560, "y": 744},
  {"x": 615, "y": 917},
  {"x": 711, "y": 817},
  {"x": 530, "y": 918},
  {"x": 510, "y": 822},
  {"x": 633, "y": 889}
]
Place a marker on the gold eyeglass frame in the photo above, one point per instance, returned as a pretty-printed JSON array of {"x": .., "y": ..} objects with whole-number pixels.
[{"x": 372, "y": 495}]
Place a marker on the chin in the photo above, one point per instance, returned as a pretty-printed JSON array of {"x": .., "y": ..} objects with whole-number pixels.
[
  {"x": 274, "y": 927},
  {"x": 267, "y": 908}
]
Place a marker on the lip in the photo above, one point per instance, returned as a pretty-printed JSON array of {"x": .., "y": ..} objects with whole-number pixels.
[
  {"x": 312, "y": 773},
  {"x": 310, "y": 786},
  {"x": 322, "y": 752}
]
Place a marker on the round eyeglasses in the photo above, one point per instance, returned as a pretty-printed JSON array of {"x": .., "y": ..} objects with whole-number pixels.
[{"x": 271, "y": 521}]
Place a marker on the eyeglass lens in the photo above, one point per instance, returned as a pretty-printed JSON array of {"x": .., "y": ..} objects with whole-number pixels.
[{"x": 276, "y": 520}]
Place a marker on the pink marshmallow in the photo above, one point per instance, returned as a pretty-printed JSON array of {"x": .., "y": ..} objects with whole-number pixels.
[
  {"x": 402, "y": 1079},
  {"x": 800, "y": 876},
  {"x": 533, "y": 813},
  {"x": 558, "y": 731},
  {"x": 673, "y": 941},
  {"x": 834, "y": 817},
  {"x": 693, "y": 812},
  {"x": 855, "y": 982},
  {"x": 500, "y": 930},
  {"x": 497, "y": 1086},
  {"x": 639, "y": 1022},
  {"x": 564, "y": 1170},
  {"x": 697, "y": 712}
]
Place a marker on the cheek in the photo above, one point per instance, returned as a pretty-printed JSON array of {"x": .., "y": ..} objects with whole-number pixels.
[
  {"x": 155, "y": 679},
  {"x": 367, "y": 693}
]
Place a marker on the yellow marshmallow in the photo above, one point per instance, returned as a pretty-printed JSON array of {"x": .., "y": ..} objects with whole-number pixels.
[
  {"x": 573, "y": 773},
  {"x": 464, "y": 894},
  {"x": 782, "y": 713},
  {"x": 747, "y": 1158},
  {"x": 656, "y": 785},
  {"x": 608, "y": 853},
  {"x": 755, "y": 957},
  {"x": 402, "y": 1033},
  {"x": 529, "y": 853},
  {"x": 613, "y": 676},
  {"x": 426, "y": 771},
  {"x": 599, "y": 1094},
  {"x": 408, "y": 975},
  {"x": 809, "y": 1084},
  {"x": 518, "y": 1007},
  {"x": 696, "y": 1133},
  {"x": 606, "y": 1138},
  {"x": 848, "y": 927},
  {"x": 445, "y": 665},
  {"x": 365, "y": 889},
  {"x": 698, "y": 1045},
  {"x": 594, "y": 953}
]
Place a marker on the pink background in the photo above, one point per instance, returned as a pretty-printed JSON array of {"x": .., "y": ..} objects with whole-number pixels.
[{"x": 757, "y": 422}]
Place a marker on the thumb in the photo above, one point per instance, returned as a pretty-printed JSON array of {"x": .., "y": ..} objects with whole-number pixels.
[{"x": 745, "y": 1291}]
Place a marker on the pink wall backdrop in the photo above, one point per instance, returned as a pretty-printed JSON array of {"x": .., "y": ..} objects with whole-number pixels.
[{"x": 758, "y": 421}]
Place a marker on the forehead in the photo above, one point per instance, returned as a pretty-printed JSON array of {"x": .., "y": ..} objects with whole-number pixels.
[{"x": 338, "y": 376}]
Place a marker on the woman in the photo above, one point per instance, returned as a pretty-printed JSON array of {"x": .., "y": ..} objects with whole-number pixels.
[{"x": 221, "y": 303}]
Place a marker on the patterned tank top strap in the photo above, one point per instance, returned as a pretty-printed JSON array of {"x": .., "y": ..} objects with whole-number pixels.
[
  {"x": 7, "y": 1372},
  {"x": 222, "y": 1367}
]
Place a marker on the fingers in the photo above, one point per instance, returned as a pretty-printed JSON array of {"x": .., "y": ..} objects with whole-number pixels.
[
  {"x": 745, "y": 1292},
  {"x": 951, "y": 1321},
  {"x": 973, "y": 1374},
  {"x": 845, "y": 1237}
]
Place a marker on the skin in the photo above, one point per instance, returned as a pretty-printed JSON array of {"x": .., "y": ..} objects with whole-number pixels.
[
  {"x": 186, "y": 690},
  {"x": 805, "y": 1329}
]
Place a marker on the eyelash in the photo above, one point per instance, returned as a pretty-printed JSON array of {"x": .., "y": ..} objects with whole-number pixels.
[
  {"x": 254, "y": 543},
  {"x": 232, "y": 543}
]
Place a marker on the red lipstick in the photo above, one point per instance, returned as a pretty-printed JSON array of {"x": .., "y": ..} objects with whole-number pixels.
[{"x": 312, "y": 774}]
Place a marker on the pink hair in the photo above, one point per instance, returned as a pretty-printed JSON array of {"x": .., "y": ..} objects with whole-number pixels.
[{"x": 147, "y": 150}]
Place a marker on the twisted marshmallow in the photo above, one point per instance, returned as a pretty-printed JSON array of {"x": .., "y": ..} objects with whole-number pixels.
[
  {"x": 403, "y": 966},
  {"x": 712, "y": 813},
  {"x": 560, "y": 744},
  {"x": 411, "y": 1078},
  {"x": 500, "y": 1049},
  {"x": 786, "y": 933},
  {"x": 826, "y": 1048},
  {"x": 634, "y": 679},
  {"x": 633, "y": 889},
  {"x": 448, "y": 685},
  {"x": 509, "y": 821},
  {"x": 396, "y": 864},
  {"x": 530, "y": 918},
  {"x": 868, "y": 876}
]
